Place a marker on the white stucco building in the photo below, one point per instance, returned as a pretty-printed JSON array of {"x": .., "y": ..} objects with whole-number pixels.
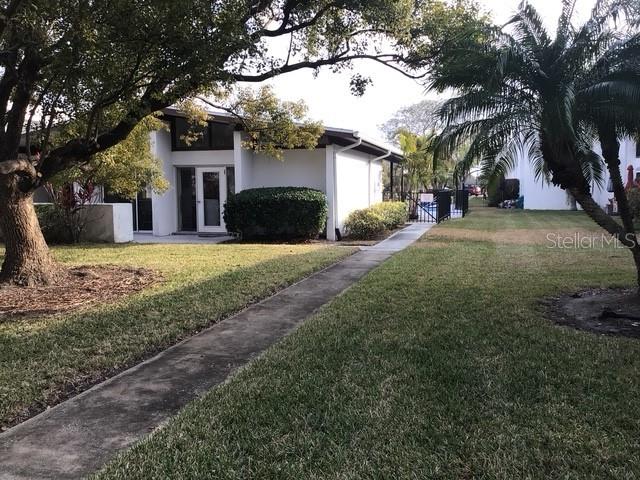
[
  {"x": 539, "y": 195},
  {"x": 345, "y": 166}
]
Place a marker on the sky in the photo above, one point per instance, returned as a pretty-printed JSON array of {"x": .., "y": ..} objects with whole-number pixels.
[{"x": 331, "y": 102}]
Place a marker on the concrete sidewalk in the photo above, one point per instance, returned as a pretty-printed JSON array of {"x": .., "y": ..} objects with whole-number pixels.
[
  {"x": 402, "y": 239},
  {"x": 78, "y": 436}
]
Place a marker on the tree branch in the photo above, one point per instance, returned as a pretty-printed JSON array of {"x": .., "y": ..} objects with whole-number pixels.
[
  {"x": 385, "y": 59},
  {"x": 27, "y": 76},
  {"x": 10, "y": 167},
  {"x": 229, "y": 110},
  {"x": 284, "y": 30},
  {"x": 79, "y": 151}
]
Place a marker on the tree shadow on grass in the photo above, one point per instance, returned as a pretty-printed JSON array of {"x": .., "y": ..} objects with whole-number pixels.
[{"x": 43, "y": 366}]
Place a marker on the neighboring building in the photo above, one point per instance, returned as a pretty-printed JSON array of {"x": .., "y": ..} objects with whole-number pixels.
[
  {"x": 539, "y": 195},
  {"x": 345, "y": 166}
]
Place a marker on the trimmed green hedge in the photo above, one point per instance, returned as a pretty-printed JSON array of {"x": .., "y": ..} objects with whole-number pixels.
[
  {"x": 364, "y": 224},
  {"x": 393, "y": 214},
  {"x": 277, "y": 213},
  {"x": 370, "y": 223}
]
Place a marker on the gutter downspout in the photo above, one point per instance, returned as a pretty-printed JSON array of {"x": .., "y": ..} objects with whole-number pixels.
[
  {"x": 381, "y": 157},
  {"x": 356, "y": 144}
]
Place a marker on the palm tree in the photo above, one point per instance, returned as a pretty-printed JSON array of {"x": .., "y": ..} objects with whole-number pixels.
[
  {"x": 522, "y": 92},
  {"x": 418, "y": 153}
]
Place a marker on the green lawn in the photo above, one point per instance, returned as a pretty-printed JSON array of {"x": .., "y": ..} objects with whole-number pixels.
[
  {"x": 43, "y": 359},
  {"x": 439, "y": 364}
]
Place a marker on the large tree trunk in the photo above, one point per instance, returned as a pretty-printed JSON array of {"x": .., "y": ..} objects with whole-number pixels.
[{"x": 27, "y": 259}]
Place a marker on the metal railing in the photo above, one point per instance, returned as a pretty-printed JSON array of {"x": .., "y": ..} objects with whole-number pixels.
[{"x": 438, "y": 206}]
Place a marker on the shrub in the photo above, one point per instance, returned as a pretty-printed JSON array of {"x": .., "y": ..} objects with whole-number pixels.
[
  {"x": 276, "y": 213},
  {"x": 365, "y": 224},
  {"x": 52, "y": 224},
  {"x": 393, "y": 214}
]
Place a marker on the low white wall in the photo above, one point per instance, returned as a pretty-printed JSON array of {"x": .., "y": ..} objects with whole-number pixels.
[{"x": 109, "y": 222}]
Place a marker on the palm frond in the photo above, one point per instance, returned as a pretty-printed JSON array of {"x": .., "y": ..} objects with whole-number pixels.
[
  {"x": 532, "y": 97},
  {"x": 564, "y": 30},
  {"x": 529, "y": 29}
]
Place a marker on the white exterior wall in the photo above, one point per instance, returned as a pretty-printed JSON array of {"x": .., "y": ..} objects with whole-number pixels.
[
  {"x": 376, "y": 185},
  {"x": 205, "y": 158},
  {"x": 359, "y": 183},
  {"x": 330, "y": 163},
  {"x": 359, "y": 178},
  {"x": 540, "y": 196},
  {"x": 164, "y": 206},
  {"x": 242, "y": 161},
  {"x": 298, "y": 168},
  {"x": 537, "y": 194}
]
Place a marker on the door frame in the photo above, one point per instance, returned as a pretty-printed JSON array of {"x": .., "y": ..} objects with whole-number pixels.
[{"x": 222, "y": 185}]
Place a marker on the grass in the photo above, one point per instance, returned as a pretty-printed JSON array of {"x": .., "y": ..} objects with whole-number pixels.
[
  {"x": 439, "y": 364},
  {"x": 44, "y": 359}
]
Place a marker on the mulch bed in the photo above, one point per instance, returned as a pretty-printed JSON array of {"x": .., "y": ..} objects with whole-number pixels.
[
  {"x": 601, "y": 311},
  {"x": 81, "y": 287}
]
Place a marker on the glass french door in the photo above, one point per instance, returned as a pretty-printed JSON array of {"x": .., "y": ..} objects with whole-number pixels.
[{"x": 211, "y": 194}]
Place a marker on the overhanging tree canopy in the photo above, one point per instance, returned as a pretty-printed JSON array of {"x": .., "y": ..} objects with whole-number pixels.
[{"x": 104, "y": 65}]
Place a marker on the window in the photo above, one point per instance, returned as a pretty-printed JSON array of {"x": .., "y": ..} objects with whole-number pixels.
[
  {"x": 215, "y": 136},
  {"x": 638, "y": 148},
  {"x": 221, "y": 136},
  {"x": 181, "y": 127}
]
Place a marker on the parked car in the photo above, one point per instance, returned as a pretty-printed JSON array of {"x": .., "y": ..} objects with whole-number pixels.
[{"x": 474, "y": 190}]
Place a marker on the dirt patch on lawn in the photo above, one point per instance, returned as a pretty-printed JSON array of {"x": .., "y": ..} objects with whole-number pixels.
[
  {"x": 429, "y": 242},
  {"x": 601, "y": 311},
  {"x": 521, "y": 236},
  {"x": 82, "y": 287}
]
